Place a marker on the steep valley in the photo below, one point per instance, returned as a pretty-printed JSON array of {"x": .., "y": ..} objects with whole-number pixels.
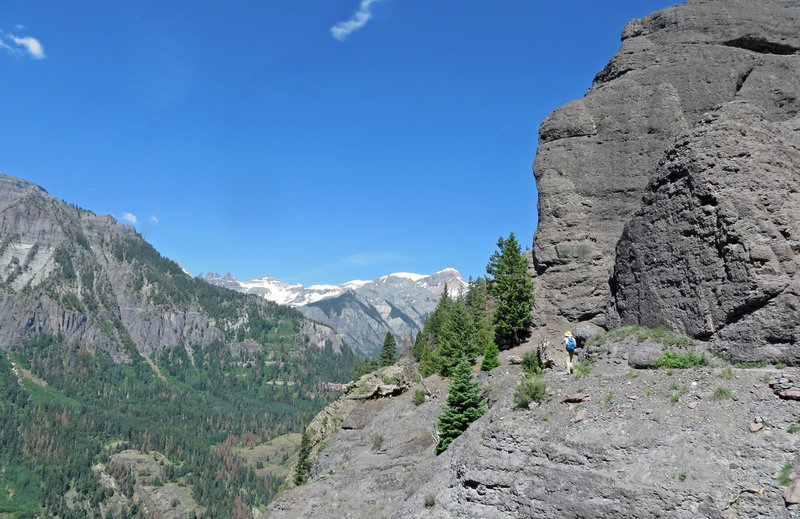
[{"x": 111, "y": 356}]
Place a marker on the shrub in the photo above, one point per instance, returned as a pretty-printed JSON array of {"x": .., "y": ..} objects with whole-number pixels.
[
  {"x": 726, "y": 373},
  {"x": 675, "y": 361},
  {"x": 532, "y": 363},
  {"x": 430, "y": 500},
  {"x": 530, "y": 389},
  {"x": 377, "y": 442},
  {"x": 419, "y": 397}
]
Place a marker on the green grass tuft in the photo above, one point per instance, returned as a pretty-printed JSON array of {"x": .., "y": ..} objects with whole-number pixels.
[
  {"x": 683, "y": 361},
  {"x": 582, "y": 369},
  {"x": 721, "y": 393}
]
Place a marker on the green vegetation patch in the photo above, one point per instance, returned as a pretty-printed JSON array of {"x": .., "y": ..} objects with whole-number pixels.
[
  {"x": 721, "y": 393},
  {"x": 582, "y": 369},
  {"x": 751, "y": 364},
  {"x": 661, "y": 334},
  {"x": 784, "y": 475},
  {"x": 686, "y": 360},
  {"x": 530, "y": 389},
  {"x": 532, "y": 363},
  {"x": 48, "y": 395}
]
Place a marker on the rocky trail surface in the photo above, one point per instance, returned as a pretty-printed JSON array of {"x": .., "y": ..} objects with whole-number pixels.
[{"x": 607, "y": 441}]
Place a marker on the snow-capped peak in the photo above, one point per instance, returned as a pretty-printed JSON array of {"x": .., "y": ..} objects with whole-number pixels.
[{"x": 299, "y": 295}]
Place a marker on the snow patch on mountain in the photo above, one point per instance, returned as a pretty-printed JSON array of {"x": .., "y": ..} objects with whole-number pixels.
[{"x": 361, "y": 311}]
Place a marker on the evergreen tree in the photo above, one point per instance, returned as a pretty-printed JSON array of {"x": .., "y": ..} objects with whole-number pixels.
[
  {"x": 457, "y": 339},
  {"x": 490, "y": 357},
  {"x": 389, "y": 351},
  {"x": 513, "y": 291},
  {"x": 427, "y": 339},
  {"x": 303, "y": 467},
  {"x": 476, "y": 301},
  {"x": 420, "y": 345},
  {"x": 464, "y": 406}
]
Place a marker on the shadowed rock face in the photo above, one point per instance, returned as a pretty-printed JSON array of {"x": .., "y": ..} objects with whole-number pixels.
[
  {"x": 598, "y": 154},
  {"x": 714, "y": 250}
]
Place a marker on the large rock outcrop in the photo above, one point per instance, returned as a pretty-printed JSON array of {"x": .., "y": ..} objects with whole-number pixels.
[
  {"x": 714, "y": 251},
  {"x": 598, "y": 155}
]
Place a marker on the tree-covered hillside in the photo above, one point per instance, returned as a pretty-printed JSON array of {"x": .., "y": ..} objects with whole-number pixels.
[{"x": 112, "y": 354}]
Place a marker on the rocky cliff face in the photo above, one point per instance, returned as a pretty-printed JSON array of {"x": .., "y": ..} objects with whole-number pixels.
[
  {"x": 713, "y": 251},
  {"x": 704, "y": 70}
]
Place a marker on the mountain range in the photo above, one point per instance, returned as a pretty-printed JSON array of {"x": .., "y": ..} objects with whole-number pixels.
[
  {"x": 360, "y": 311},
  {"x": 111, "y": 357}
]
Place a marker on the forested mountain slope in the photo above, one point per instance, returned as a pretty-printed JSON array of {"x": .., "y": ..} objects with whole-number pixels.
[{"x": 107, "y": 346}]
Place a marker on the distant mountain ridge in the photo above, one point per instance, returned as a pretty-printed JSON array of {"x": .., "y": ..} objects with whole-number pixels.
[
  {"x": 360, "y": 311},
  {"x": 104, "y": 341}
]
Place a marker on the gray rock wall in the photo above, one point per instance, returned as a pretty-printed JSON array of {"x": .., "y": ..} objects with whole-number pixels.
[
  {"x": 598, "y": 154},
  {"x": 714, "y": 251}
]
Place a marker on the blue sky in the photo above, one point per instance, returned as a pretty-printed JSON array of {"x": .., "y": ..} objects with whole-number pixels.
[{"x": 312, "y": 141}]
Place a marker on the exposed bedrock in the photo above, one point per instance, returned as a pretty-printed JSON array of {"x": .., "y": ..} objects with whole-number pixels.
[
  {"x": 598, "y": 154},
  {"x": 714, "y": 251}
]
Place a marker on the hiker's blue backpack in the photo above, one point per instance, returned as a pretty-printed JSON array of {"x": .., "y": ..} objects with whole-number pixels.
[{"x": 570, "y": 343}]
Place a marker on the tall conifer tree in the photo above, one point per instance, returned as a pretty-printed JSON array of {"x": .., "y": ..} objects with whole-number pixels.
[
  {"x": 464, "y": 406},
  {"x": 389, "y": 350},
  {"x": 303, "y": 467},
  {"x": 513, "y": 291}
]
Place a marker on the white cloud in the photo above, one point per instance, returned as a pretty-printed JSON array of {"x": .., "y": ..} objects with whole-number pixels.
[
  {"x": 30, "y": 44},
  {"x": 154, "y": 219},
  {"x": 342, "y": 30},
  {"x": 130, "y": 217},
  {"x": 22, "y": 45}
]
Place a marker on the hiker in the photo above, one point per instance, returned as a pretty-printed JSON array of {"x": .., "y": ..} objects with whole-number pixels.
[{"x": 569, "y": 343}]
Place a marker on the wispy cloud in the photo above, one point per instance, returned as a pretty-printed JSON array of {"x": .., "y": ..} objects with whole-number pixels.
[
  {"x": 130, "y": 217},
  {"x": 342, "y": 30},
  {"x": 21, "y": 45},
  {"x": 154, "y": 219}
]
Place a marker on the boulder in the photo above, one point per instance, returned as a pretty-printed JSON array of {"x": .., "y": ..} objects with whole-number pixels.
[
  {"x": 792, "y": 493},
  {"x": 643, "y": 355},
  {"x": 712, "y": 251}
]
